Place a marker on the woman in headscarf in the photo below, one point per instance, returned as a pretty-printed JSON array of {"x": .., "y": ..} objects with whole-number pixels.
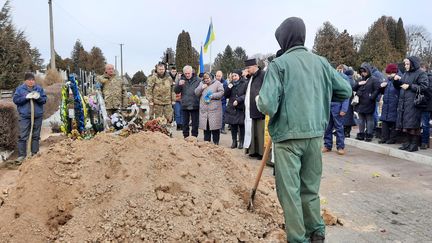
[{"x": 235, "y": 112}]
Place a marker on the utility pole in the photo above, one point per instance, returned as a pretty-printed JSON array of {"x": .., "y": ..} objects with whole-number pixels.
[
  {"x": 121, "y": 59},
  {"x": 115, "y": 62},
  {"x": 53, "y": 65}
]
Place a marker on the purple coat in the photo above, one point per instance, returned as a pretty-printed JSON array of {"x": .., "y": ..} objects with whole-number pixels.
[{"x": 211, "y": 112}]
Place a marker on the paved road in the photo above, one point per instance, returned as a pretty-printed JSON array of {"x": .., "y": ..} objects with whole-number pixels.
[{"x": 379, "y": 198}]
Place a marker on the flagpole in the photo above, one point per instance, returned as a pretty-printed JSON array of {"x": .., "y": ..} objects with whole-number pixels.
[{"x": 210, "y": 59}]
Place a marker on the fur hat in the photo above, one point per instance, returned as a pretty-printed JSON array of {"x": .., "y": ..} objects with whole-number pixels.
[{"x": 238, "y": 71}]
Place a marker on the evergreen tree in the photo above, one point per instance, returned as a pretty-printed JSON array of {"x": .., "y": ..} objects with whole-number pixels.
[
  {"x": 345, "y": 51},
  {"x": 401, "y": 40},
  {"x": 325, "y": 42},
  {"x": 184, "y": 52},
  {"x": 170, "y": 54},
  {"x": 240, "y": 57},
  {"x": 96, "y": 61},
  {"x": 391, "y": 27},
  {"x": 376, "y": 47},
  {"x": 79, "y": 58},
  {"x": 16, "y": 54},
  {"x": 139, "y": 78},
  {"x": 226, "y": 61},
  {"x": 195, "y": 59}
]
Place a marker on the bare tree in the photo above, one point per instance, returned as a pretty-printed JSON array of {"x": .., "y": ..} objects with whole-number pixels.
[{"x": 417, "y": 39}]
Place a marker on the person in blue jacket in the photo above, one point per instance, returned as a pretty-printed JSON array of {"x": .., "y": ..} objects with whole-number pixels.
[
  {"x": 389, "y": 107},
  {"x": 22, "y": 96},
  {"x": 337, "y": 112}
]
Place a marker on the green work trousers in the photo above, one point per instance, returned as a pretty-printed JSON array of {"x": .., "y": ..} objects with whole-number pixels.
[{"x": 298, "y": 168}]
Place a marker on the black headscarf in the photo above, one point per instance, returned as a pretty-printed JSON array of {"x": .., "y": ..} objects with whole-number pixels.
[{"x": 292, "y": 32}]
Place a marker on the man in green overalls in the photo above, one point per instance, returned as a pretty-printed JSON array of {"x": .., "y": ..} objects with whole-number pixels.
[{"x": 296, "y": 93}]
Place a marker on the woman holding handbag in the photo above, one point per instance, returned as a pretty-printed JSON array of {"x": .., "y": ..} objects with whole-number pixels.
[{"x": 412, "y": 83}]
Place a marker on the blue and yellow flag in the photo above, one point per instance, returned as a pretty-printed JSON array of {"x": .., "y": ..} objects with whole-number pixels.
[
  {"x": 210, "y": 37},
  {"x": 201, "y": 62}
]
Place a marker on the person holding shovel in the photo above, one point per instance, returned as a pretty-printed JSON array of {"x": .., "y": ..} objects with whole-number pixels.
[
  {"x": 296, "y": 93},
  {"x": 30, "y": 99}
]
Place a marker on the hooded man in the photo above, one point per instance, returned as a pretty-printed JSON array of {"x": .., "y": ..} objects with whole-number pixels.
[{"x": 296, "y": 93}]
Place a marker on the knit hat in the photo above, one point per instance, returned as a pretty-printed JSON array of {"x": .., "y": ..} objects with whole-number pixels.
[
  {"x": 391, "y": 68},
  {"x": 349, "y": 72},
  {"x": 238, "y": 71},
  {"x": 29, "y": 76}
]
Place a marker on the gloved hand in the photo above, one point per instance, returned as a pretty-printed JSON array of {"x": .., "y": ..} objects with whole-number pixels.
[
  {"x": 36, "y": 95},
  {"x": 29, "y": 96}
]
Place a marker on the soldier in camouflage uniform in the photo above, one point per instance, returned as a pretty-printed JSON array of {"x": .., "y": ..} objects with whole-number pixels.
[
  {"x": 160, "y": 94},
  {"x": 113, "y": 90}
]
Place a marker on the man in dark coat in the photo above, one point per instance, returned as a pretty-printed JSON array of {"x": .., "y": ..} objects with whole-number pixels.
[
  {"x": 254, "y": 119},
  {"x": 367, "y": 90},
  {"x": 426, "y": 111},
  {"x": 186, "y": 86},
  {"x": 235, "y": 111},
  {"x": 348, "y": 119},
  {"x": 409, "y": 116},
  {"x": 389, "y": 107},
  {"x": 27, "y": 95}
]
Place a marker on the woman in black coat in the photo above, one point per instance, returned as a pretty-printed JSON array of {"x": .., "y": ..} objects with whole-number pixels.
[
  {"x": 367, "y": 90},
  {"x": 235, "y": 111},
  {"x": 409, "y": 116},
  {"x": 348, "y": 119}
]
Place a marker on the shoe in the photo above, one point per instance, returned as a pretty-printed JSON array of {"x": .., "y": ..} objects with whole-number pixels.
[
  {"x": 368, "y": 137},
  {"x": 382, "y": 141},
  {"x": 234, "y": 144},
  {"x": 347, "y": 135},
  {"x": 341, "y": 151},
  {"x": 391, "y": 141},
  {"x": 325, "y": 150},
  {"x": 424, "y": 146},
  {"x": 404, "y": 146},
  {"x": 360, "y": 136},
  {"x": 270, "y": 164},
  {"x": 240, "y": 145},
  {"x": 259, "y": 157},
  {"x": 223, "y": 131},
  {"x": 317, "y": 238},
  {"x": 412, "y": 147},
  {"x": 253, "y": 155},
  {"x": 19, "y": 160},
  {"x": 179, "y": 127}
]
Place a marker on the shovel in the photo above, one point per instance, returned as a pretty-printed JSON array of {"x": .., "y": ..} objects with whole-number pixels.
[{"x": 264, "y": 159}]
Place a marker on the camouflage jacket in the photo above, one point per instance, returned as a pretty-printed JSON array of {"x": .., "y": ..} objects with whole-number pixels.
[
  {"x": 113, "y": 91},
  {"x": 160, "y": 91}
]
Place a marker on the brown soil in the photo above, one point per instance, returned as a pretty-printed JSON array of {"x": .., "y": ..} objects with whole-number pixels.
[{"x": 146, "y": 187}]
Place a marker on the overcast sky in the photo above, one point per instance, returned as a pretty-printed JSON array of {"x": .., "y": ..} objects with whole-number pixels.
[{"x": 147, "y": 28}]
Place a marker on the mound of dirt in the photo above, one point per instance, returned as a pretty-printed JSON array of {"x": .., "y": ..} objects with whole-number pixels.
[{"x": 145, "y": 187}]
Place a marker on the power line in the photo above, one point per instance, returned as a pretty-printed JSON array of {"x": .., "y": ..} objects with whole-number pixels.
[{"x": 82, "y": 25}]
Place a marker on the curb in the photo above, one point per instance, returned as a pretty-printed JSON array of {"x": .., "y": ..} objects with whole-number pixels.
[{"x": 393, "y": 152}]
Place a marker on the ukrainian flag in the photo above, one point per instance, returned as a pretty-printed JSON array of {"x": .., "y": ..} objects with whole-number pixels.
[
  {"x": 210, "y": 37},
  {"x": 201, "y": 62}
]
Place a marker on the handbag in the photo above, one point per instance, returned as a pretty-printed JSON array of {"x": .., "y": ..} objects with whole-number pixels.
[
  {"x": 420, "y": 100},
  {"x": 355, "y": 101}
]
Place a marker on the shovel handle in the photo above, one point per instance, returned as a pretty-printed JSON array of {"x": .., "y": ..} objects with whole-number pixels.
[{"x": 263, "y": 163}]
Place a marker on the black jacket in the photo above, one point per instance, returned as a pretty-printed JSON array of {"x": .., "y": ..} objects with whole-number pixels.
[
  {"x": 409, "y": 116},
  {"x": 189, "y": 101},
  {"x": 368, "y": 92},
  {"x": 257, "y": 81},
  {"x": 428, "y": 93},
  {"x": 236, "y": 114}
]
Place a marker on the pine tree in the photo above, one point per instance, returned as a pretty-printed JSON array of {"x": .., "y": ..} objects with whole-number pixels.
[
  {"x": 345, "y": 49},
  {"x": 325, "y": 42},
  {"x": 79, "y": 58},
  {"x": 139, "y": 78},
  {"x": 168, "y": 56},
  {"x": 401, "y": 40},
  {"x": 16, "y": 54},
  {"x": 240, "y": 57},
  {"x": 184, "y": 52},
  {"x": 391, "y": 29},
  {"x": 376, "y": 47},
  {"x": 96, "y": 61}
]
